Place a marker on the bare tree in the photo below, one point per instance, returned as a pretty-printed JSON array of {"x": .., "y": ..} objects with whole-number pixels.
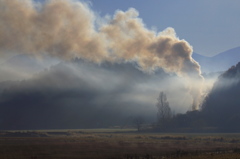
[
  {"x": 164, "y": 113},
  {"x": 138, "y": 122}
]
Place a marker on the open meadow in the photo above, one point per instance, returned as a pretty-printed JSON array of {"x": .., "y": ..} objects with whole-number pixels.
[{"x": 122, "y": 144}]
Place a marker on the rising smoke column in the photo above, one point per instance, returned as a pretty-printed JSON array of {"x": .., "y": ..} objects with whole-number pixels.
[{"x": 67, "y": 29}]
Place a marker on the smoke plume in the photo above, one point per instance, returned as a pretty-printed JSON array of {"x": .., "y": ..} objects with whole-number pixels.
[{"x": 67, "y": 29}]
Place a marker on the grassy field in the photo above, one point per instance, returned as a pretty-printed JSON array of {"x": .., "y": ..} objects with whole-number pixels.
[{"x": 108, "y": 143}]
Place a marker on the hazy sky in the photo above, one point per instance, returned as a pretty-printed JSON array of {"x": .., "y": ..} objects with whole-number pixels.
[{"x": 210, "y": 26}]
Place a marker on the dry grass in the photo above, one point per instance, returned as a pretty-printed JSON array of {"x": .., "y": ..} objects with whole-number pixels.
[{"x": 80, "y": 144}]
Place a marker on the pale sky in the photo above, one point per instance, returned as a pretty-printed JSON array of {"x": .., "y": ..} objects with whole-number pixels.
[{"x": 210, "y": 26}]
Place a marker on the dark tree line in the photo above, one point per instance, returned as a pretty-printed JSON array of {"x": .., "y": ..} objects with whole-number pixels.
[{"x": 220, "y": 111}]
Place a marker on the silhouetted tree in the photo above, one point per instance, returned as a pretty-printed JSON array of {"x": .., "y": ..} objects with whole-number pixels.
[
  {"x": 138, "y": 122},
  {"x": 164, "y": 113}
]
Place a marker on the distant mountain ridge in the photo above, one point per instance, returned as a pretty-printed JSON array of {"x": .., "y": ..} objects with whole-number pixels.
[{"x": 219, "y": 62}]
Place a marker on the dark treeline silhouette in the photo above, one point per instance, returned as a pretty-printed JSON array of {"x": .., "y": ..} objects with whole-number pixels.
[
  {"x": 73, "y": 95},
  {"x": 221, "y": 107},
  {"x": 58, "y": 98},
  {"x": 220, "y": 111}
]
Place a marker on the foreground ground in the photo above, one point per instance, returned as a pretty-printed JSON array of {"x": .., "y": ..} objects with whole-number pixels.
[{"x": 124, "y": 144}]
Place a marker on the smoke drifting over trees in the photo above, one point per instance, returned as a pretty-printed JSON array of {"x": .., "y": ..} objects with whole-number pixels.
[
  {"x": 67, "y": 29},
  {"x": 220, "y": 111},
  {"x": 113, "y": 69},
  {"x": 79, "y": 95}
]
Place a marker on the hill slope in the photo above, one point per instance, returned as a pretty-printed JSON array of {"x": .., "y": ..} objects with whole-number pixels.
[{"x": 222, "y": 106}]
